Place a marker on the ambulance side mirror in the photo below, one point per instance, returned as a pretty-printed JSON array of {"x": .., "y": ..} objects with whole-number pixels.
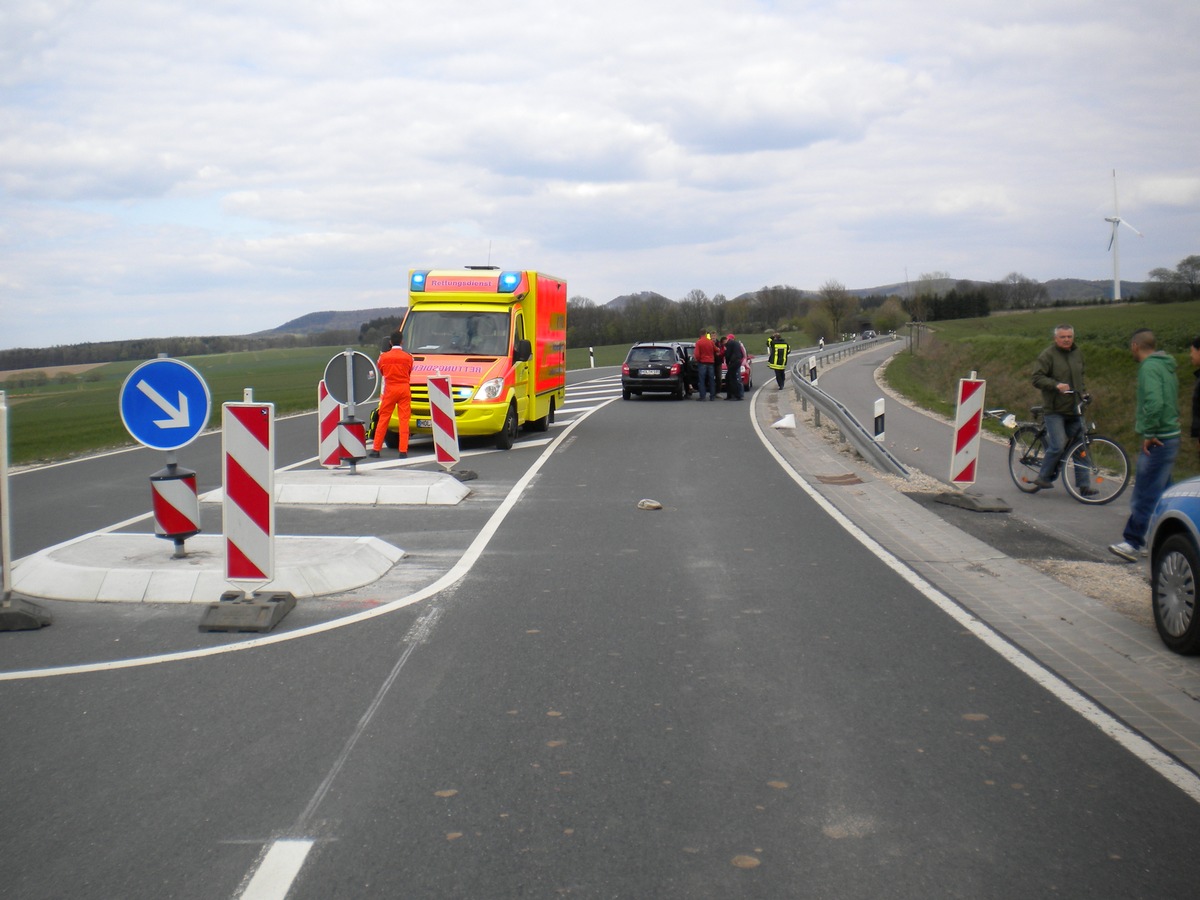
[{"x": 522, "y": 351}]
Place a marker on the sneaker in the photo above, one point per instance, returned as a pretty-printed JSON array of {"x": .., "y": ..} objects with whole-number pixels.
[
  {"x": 1125, "y": 550},
  {"x": 1043, "y": 483},
  {"x": 374, "y": 454},
  {"x": 1088, "y": 492}
]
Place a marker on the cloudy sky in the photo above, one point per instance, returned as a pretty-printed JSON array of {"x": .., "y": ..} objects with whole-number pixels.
[{"x": 222, "y": 167}]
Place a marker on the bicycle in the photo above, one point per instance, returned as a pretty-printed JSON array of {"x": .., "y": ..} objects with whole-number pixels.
[{"x": 1094, "y": 467}]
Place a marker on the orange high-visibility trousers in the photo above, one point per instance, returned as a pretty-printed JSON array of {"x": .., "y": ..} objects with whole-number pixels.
[{"x": 400, "y": 400}]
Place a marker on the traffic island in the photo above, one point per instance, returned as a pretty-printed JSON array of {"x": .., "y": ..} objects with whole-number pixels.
[{"x": 137, "y": 568}]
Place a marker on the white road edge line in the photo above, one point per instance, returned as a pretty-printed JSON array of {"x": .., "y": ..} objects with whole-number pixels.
[
  {"x": 1141, "y": 747},
  {"x": 457, "y": 571},
  {"x": 279, "y": 867}
]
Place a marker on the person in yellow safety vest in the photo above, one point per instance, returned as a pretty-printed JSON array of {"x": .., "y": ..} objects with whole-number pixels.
[
  {"x": 778, "y": 358},
  {"x": 395, "y": 365}
]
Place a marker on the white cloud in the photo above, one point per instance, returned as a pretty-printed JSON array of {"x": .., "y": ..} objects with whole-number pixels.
[{"x": 229, "y": 166}]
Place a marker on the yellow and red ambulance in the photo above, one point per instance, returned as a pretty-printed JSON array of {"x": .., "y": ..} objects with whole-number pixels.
[{"x": 501, "y": 339}]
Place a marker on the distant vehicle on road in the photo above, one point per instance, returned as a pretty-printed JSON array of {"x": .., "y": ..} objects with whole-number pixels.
[
  {"x": 656, "y": 367},
  {"x": 1174, "y": 545},
  {"x": 869, "y": 333}
]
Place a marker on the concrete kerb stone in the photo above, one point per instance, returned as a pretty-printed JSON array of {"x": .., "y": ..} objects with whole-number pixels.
[
  {"x": 1064, "y": 630},
  {"x": 374, "y": 485},
  {"x": 139, "y": 568}
]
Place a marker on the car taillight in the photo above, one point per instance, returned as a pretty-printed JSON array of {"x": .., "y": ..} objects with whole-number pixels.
[
  {"x": 624, "y": 368},
  {"x": 675, "y": 369}
]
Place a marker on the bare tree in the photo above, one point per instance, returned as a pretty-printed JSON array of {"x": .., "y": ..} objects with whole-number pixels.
[
  {"x": 838, "y": 303},
  {"x": 1021, "y": 292},
  {"x": 1185, "y": 277}
]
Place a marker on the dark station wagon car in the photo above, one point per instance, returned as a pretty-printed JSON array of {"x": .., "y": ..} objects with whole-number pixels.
[{"x": 663, "y": 367}]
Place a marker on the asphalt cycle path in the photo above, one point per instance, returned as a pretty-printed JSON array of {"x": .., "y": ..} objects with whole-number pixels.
[
  {"x": 1044, "y": 524},
  {"x": 727, "y": 696}
]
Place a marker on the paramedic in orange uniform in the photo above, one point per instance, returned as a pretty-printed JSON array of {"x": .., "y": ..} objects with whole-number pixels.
[{"x": 395, "y": 366}]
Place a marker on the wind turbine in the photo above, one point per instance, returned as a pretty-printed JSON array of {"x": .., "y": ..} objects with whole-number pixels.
[{"x": 1114, "y": 242}]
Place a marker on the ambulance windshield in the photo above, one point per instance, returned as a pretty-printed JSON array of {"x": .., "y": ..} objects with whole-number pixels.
[{"x": 457, "y": 332}]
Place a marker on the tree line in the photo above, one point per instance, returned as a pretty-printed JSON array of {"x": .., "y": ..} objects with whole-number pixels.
[{"x": 832, "y": 313}]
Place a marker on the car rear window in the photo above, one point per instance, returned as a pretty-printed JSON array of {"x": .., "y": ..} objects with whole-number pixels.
[{"x": 642, "y": 355}]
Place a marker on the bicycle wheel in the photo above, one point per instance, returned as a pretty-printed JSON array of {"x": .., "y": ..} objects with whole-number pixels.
[
  {"x": 1026, "y": 448},
  {"x": 1096, "y": 470}
]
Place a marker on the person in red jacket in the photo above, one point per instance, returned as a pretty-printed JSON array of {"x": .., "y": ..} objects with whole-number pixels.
[
  {"x": 705, "y": 356},
  {"x": 395, "y": 365}
]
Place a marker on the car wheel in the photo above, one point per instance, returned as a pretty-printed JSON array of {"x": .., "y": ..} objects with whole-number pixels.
[
  {"x": 625, "y": 395},
  {"x": 508, "y": 434},
  {"x": 543, "y": 424},
  {"x": 1173, "y": 594}
]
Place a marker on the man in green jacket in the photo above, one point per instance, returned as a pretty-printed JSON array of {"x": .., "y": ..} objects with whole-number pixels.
[
  {"x": 1058, "y": 374},
  {"x": 1158, "y": 424}
]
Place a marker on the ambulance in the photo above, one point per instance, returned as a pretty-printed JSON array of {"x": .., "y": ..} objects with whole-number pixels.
[{"x": 501, "y": 339}]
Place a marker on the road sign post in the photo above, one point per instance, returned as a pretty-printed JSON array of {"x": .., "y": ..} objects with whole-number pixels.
[
  {"x": 176, "y": 505},
  {"x": 329, "y": 414},
  {"x": 352, "y": 378},
  {"x": 445, "y": 428},
  {"x": 16, "y": 614},
  {"x": 165, "y": 404},
  {"x": 248, "y": 468},
  {"x": 968, "y": 428},
  {"x": 248, "y": 471}
]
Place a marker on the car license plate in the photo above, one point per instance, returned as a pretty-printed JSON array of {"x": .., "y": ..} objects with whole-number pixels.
[
  {"x": 649, "y": 372},
  {"x": 424, "y": 423}
]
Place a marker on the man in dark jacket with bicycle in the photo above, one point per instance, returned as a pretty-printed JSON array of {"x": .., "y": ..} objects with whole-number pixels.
[{"x": 1058, "y": 374}]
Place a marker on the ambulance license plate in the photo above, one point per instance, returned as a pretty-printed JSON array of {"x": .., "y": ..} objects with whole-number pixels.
[
  {"x": 649, "y": 372},
  {"x": 424, "y": 423}
]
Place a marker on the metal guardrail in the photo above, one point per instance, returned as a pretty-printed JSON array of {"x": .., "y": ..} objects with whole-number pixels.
[{"x": 850, "y": 429}]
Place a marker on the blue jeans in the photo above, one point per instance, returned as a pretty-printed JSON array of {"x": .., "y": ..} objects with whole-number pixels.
[
  {"x": 734, "y": 389},
  {"x": 707, "y": 380},
  {"x": 1153, "y": 476},
  {"x": 1062, "y": 431}
]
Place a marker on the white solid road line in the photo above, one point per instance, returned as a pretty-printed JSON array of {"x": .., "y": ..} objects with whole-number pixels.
[
  {"x": 278, "y": 869},
  {"x": 1161, "y": 762}
]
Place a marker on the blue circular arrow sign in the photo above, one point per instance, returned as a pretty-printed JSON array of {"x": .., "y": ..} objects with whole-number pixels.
[{"x": 165, "y": 404}]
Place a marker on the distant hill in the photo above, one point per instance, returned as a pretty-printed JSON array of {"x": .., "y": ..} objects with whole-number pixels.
[
  {"x": 335, "y": 320},
  {"x": 625, "y": 299}
]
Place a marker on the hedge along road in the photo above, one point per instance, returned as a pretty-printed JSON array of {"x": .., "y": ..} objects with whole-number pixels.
[{"x": 724, "y": 697}]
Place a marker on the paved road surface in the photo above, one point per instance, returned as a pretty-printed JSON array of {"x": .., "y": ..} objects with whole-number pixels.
[{"x": 729, "y": 696}]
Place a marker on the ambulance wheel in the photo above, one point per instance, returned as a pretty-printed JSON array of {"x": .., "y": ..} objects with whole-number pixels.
[
  {"x": 508, "y": 434},
  {"x": 391, "y": 440},
  {"x": 544, "y": 423}
]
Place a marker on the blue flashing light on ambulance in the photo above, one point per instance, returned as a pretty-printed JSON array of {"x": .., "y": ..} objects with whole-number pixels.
[{"x": 500, "y": 337}]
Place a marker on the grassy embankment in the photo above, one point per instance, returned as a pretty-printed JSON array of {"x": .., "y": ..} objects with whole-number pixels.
[{"x": 1002, "y": 349}]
